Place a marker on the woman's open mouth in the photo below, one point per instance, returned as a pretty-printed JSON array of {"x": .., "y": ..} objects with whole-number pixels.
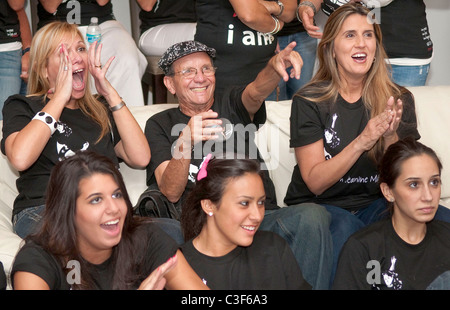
[
  {"x": 359, "y": 57},
  {"x": 78, "y": 79}
]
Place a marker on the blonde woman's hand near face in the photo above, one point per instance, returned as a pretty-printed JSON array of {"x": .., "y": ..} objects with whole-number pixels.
[
  {"x": 98, "y": 71},
  {"x": 63, "y": 84}
]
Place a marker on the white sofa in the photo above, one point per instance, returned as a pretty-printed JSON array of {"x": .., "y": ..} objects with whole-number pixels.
[{"x": 433, "y": 109}]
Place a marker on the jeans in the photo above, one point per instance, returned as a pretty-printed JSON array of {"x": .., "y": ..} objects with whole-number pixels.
[
  {"x": 306, "y": 47},
  {"x": 442, "y": 282},
  {"x": 10, "y": 81},
  {"x": 26, "y": 221},
  {"x": 171, "y": 227},
  {"x": 345, "y": 223},
  {"x": 410, "y": 75},
  {"x": 305, "y": 227}
]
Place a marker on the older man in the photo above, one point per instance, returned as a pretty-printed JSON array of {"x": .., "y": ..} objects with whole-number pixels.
[{"x": 180, "y": 138}]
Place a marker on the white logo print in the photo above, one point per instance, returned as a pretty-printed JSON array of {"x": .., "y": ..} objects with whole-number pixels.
[
  {"x": 331, "y": 136},
  {"x": 391, "y": 278}
]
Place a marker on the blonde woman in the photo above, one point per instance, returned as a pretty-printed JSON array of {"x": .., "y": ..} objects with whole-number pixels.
[
  {"x": 343, "y": 120},
  {"x": 60, "y": 116}
]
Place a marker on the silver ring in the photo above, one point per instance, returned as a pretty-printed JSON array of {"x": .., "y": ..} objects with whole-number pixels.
[{"x": 65, "y": 68}]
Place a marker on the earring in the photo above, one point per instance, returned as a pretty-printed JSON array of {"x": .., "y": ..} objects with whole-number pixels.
[
  {"x": 392, "y": 200},
  {"x": 210, "y": 213}
]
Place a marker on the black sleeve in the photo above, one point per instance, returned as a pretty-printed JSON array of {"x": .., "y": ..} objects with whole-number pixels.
[
  {"x": 18, "y": 111},
  {"x": 231, "y": 106},
  {"x": 351, "y": 272},
  {"x": 33, "y": 259},
  {"x": 293, "y": 274},
  {"x": 306, "y": 122},
  {"x": 159, "y": 143},
  {"x": 408, "y": 124},
  {"x": 161, "y": 247}
]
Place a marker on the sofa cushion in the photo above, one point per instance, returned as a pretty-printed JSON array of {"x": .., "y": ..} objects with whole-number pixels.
[
  {"x": 10, "y": 242},
  {"x": 433, "y": 117}
]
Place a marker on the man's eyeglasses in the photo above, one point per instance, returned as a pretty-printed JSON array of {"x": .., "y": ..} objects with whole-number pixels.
[{"x": 190, "y": 73}]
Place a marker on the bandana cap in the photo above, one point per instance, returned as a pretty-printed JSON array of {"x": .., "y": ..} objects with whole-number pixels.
[{"x": 181, "y": 49}]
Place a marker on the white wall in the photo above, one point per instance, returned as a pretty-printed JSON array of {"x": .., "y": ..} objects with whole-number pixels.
[
  {"x": 438, "y": 13},
  {"x": 122, "y": 12}
]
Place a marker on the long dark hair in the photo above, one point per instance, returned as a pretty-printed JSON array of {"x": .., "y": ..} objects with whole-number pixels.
[
  {"x": 57, "y": 233},
  {"x": 396, "y": 154},
  {"x": 219, "y": 173}
]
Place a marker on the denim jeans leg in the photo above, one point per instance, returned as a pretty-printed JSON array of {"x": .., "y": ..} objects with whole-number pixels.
[
  {"x": 410, "y": 75},
  {"x": 27, "y": 221},
  {"x": 376, "y": 211},
  {"x": 10, "y": 69},
  {"x": 305, "y": 227},
  {"x": 443, "y": 214},
  {"x": 343, "y": 225},
  {"x": 442, "y": 282},
  {"x": 306, "y": 47}
]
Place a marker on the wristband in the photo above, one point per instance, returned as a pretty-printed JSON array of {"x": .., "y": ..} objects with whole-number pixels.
[
  {"x": 117, "y": 107},
  {"x": 281, "y": 5},
  {"x": 47, "y": 119},
  {"x": 24, "y": 51}
]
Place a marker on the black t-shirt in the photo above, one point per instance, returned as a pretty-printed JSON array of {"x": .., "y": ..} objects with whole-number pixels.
[
  {"x": 168, "y": 12},
  {"x": 163, "y": 129},
  {"x": 292, "y": 27},
  {"x": 88, "y": 9},
  {"x": 9, "y": 24},
  {"x": 76, "y": 131},
  {"x": 403, "y": 24},
  {"x": 376, "y": 253},
  {"x": 405, "y": 30},
  {"x": 241, "y": 51},
  {"x": 338, "y": 125},
  {"x": 34, "y": 259},
  {"x": 267, "y": 264}
]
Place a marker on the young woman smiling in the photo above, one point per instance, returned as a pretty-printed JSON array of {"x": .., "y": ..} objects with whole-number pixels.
[
  {"x": 220, "y": 220},
  {"x": 89, "y": 238}
]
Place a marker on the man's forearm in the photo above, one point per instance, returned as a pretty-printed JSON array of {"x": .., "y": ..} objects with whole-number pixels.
[{"x": 173, "y": 176}]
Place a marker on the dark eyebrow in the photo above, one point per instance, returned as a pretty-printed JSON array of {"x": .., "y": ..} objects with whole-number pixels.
[
  {"x": 418, "y": 179},
  {"x": 93, "y": 195},
  {"x": 250, "y": 197}
]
